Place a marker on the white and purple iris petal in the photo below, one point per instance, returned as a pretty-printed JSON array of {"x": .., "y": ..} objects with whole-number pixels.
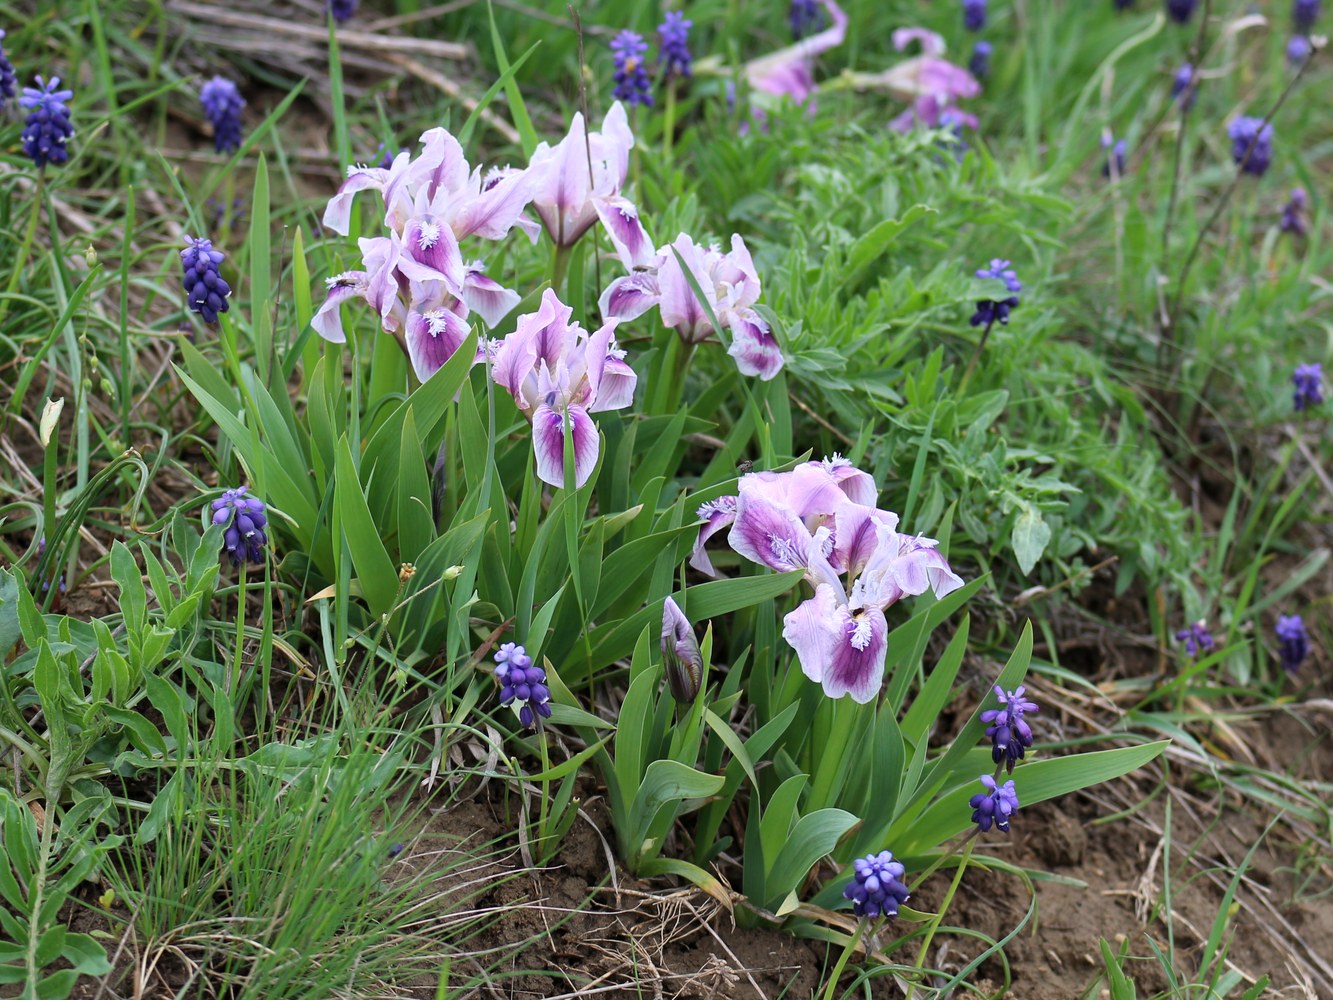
[
  {"x": 615, "y": 390},
  {"x": 680, "y": 305},
  {"x": 328, "y": 321},
  {"x": 716, "y": 515},
  {"x": 338, "y": 212},
  {"x": 630, "y": 297},
  {"x": 621, "y": 219},
  {"x": 753, "y": 346},
  {"x": 431, "y": 253},
  {"x": 493, "y": 209},
  {"x": 487, "y": 296},
  {"x": 432, "y": 338},
  {"x": 771, "y": 535},
  {"x": 548, "y": 443},
  {"x": 838, "y": 647}
]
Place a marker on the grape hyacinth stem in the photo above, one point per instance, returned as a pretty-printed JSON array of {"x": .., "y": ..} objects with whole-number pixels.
[
  {"x": 943, "y": 908},
  {"x": 847, "y": 951}
]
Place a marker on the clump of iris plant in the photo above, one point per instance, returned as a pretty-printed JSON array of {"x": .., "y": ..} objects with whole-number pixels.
[
  {"x": 1196, "y": 637},
  {"x": 1304, "y": 13},
  {"x": 343, "y": 11},
  {"x": 674, "y": 40},
  {"x": 1184, "y": 86},
  {"x": 991, "y": 311},
  {"x": 1296, "y": 213},
  {"x": 47, "y": 128},
  {"x": 877, "y": 888},
  {"x": 9, "y": 80},
  {"x": 1009, "y": 734},
  {"x": 522, "y": 684},
  {"x": 804, "y": 17},
  {"x": 245, "y": 518},
  {"x": 205, "y": 291},
  {"x": 222, "y": 104},
  {"x": 1115, "y": 150},
  {"x": 1180, "y": 11},
  {"x": 974, "y": 14},
  {"x": 979, "y": 63},
  {"x": 631, "y": 73},
  {"x": 1292, "y": 642},
  {"x": 1251, "y": 144},
  {"x": 994, "y": 806},
  {"x": 1308, "y": 383}
]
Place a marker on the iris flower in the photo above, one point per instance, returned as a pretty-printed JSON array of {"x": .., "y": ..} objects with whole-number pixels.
[
  {"x": 730, "y": 287},
  {"x": 559, "y": 375}
]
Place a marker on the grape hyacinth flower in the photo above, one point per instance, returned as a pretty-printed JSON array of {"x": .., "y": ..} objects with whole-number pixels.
[
  {"x": 222, "y": 104},
  {"x": 681, "y": 659},
  {"x": 1196, "y": 638},
  {"x": 1184, "y": 86},
  {"x": 205, "y": 291},
  {"x": 1180, "y": 11},
  {"x": 994, "y": 806},
  {"x": 974, "y": 14},
  {"x": 386, "y": 156},
  {"x": 47, "y": 128},
  {"x": 1010, "y": 736},
  {"x": 1295, "y": 213},
  {"x": 1304, "y": 13},
  {"x": 9, "y": 80},
  {"x": 342, "y": 11},
  {"x": 631, "y": 73},
  {"x": 1123, "y": 4},
  {"x": 877, "y": 888},
  {"x": 1292, "y": 641},
  {"x": 804, "y": 17},
  {"x": 522, "y": 684},
  {"x": 244, "y": 516},
  {"x": 990, "y": 311},
  {"x": 1251, "y": 144},
  {"x": 674, "y": 38},
  {"x": 1114, "y": 167},
  {"x": 979, "y": 64},
  {"x": 1298, "y": 50},
  {"x": 1309, "y": 383},
  {"x": 559, "y": 375}
]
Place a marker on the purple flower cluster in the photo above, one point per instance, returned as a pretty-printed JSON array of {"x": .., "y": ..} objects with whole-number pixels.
[
  {"x": 974, "y": 14},
  {"x": 1196, "y": 638},
  {"x": 1296, "y": 213},
  {"x": 522, "y": 684},
  {"x": 1010, "y": 736},
  {"x": 674, "y": 38},
  {"x": 979, "y": 64},
  {"x": 877, "y": 888},
  {"x": 631, "y": 74},
  {"x": 1184, "y": 86},
  {"x": 1304, "y": 13},
  {"x": 995, "y": 805},
  {"x": 1298, "y": 49},
  {"x": 990, "y": 311},
  {"x": 804, "y": 17},
  {"x": 205, "y": 291},
  {"x": 9, "y": 80},
  {"x": 47, "y": 128},
  {"x": 222, "y": 104},
  {"x": 1308, "y": 381},
  {"x": 1115, "y": 160},
  {"x": 342, "y": 11},
  {"x": 1292, "y": 642},
  {"x": 1251, "y": 144},
  {"x": 244, "y": 516},
  {"x": 1180, "y": 10}
]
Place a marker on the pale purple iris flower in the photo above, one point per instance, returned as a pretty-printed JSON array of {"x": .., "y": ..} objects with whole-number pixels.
[
  {"x": 820, "y": 518},
  {"x": 730, "y": 287},
  {"x": 559, "y": 375},
  {"x": 931, "y": 83},
  {"x": 417, "y": 278},
  {"x": 790, "y": 72},
  {"x": 578, "y": 181}
]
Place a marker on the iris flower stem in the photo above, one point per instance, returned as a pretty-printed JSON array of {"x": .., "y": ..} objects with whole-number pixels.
[
  {"x": 848, "y": 949},
  {"x": 939, "y": 914},
  {"x": 976, "y": 357},
  {"x": 26, "y": 247},
  {"x": 559, "y": 265}
]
